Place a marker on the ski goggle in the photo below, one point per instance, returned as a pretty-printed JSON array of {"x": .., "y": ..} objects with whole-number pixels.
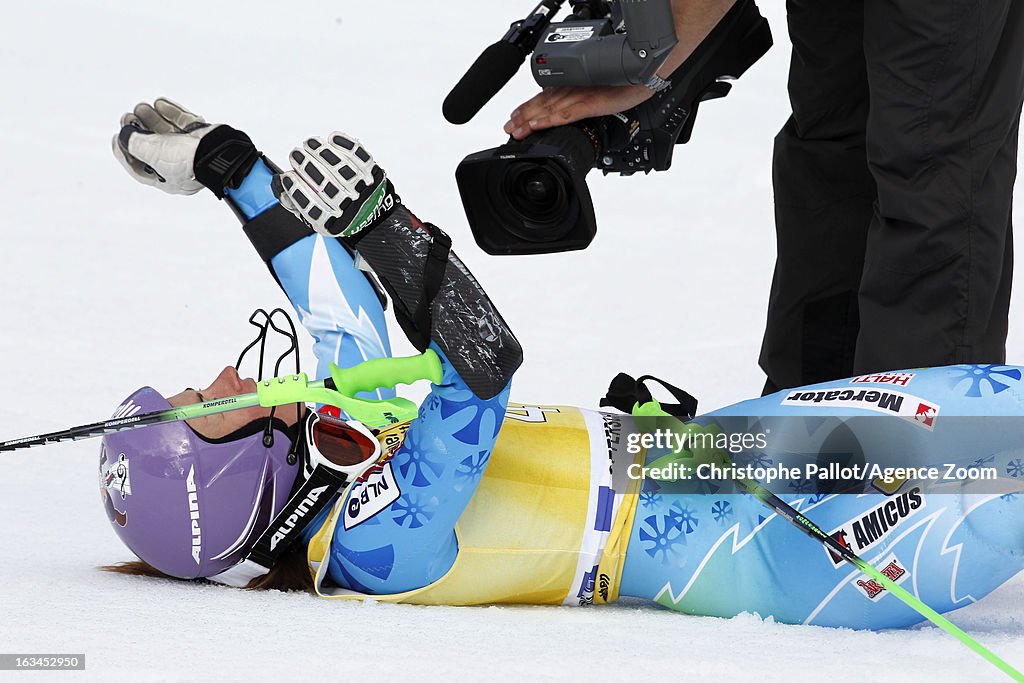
[
  {"x": 339, "y": 451},
  {"x": 345, "y": 446}
]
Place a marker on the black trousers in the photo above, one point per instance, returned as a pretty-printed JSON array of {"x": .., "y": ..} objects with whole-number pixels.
[{"x": 894, "y": 187}]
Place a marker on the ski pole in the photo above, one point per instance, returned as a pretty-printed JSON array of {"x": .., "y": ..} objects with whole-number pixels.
[
  {"x": 814, "y": 531},
  {"x": 381, "y": 372}
]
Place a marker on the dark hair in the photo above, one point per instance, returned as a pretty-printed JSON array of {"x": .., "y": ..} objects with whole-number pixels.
[{"x": 291, "y": 572}]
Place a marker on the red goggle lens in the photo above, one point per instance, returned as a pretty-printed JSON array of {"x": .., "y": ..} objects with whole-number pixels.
[{"x": 341, "y": 443}]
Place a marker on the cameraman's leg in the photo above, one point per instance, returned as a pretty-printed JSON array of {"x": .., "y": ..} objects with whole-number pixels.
[
  {"x": 823, "y": 198},
  {"x": 946, "y": 87}
]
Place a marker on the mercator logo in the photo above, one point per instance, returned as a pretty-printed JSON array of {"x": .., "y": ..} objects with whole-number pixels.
[{"x": 919, "y": 410}]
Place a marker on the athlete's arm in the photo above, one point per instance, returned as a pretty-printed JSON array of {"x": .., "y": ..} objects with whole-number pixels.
[
  {"x": 396, "y": 530},
  {"x": 168, "y": 147},
  {"x": 334, "y": 300},
  {"x": 337, "y": 188}
]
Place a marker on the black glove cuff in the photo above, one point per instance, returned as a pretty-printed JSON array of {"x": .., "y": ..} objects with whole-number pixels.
[{"x": 223, "y": 159}]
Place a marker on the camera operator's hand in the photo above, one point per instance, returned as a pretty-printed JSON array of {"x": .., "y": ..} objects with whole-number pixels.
[
  {"x": 694, "y": 20},
  {"x": 561, "y": 106},
  {"x": 168, "y": 147},
  {"x": 336, "y": 187}
]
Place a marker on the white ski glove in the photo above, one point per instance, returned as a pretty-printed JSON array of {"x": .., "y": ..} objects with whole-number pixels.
[
  {"x": 168, "y": 147},
  {"x": 336, "y": 187}
]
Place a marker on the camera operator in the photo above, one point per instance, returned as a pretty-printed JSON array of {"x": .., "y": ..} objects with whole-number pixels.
[{"x": 893, "y": 180}]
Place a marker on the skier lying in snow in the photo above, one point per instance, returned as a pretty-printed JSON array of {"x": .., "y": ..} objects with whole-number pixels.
[{"x": 455, "y": 512}]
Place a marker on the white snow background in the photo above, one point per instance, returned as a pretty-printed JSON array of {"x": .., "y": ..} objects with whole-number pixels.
[{"x": 106, "y": 285}]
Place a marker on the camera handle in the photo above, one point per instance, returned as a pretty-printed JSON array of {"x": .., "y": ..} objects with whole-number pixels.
[
  {"x": 525, "y": 34},
  {"x": 650, "y": 28},
  {"x": 584, "y": 10}
]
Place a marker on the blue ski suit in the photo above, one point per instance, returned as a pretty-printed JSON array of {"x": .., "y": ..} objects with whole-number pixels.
[{"x": 711, "y": 551}]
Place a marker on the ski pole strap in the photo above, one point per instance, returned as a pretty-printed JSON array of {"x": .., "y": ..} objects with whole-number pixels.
[{"x": 626, "y": 394}]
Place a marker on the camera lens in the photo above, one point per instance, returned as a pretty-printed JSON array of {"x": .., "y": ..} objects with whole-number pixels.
[
  {"x": 539, "y": 189},
  {"x": 531, "y": 197},
  {"x": 537, "y": 193}
]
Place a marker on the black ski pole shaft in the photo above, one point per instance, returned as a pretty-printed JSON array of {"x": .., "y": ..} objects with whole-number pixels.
[{"x": 125, "y": 423}]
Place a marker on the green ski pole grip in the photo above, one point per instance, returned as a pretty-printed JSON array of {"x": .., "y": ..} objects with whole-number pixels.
[
  {"x": 367, "y": 376},
  {"x": 387, "y": 372},
  {"x": 281, "y": 391}
]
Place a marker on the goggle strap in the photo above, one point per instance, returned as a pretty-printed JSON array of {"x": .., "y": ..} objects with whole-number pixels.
[
  {"x": 240, "y": 575},
  {"x": 311, "y": 498}
]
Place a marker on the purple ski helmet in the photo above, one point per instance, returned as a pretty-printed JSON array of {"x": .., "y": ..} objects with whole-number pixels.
[{"x": 188, "y": 506}]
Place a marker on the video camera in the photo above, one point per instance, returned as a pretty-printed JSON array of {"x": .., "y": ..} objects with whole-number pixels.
[{"x": 531, "y": 197}]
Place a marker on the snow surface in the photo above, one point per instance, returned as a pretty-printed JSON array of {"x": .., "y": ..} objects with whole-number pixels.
[{"x": 105, "y": 284}]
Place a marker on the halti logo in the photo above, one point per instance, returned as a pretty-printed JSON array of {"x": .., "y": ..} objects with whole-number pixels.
[
  {"x": 890, "y": 402},
  {"x": 300, "y": 512},
  {"x": 896, "y": 378},
  {"x": 193, "y": 512}
]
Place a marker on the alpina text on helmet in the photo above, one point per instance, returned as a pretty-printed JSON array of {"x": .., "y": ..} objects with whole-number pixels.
[{"x": 193, "y": 511}]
